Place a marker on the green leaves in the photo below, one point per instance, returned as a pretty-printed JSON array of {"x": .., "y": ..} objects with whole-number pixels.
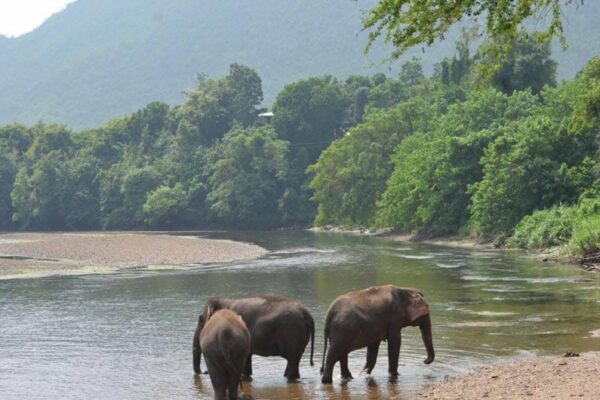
[
  {"x": 246, "y": 176},
  {"x": 409, "y": 23}
]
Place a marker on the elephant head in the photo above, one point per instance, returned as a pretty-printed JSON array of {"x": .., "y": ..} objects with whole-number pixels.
[{"x": 417, "y": 314}]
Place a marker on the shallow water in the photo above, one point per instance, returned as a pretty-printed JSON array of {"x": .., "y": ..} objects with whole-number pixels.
[{"x": 129, "y": 335}]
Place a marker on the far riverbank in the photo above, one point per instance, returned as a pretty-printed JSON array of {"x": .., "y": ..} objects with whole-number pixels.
[{"x": 589, "y": 263}]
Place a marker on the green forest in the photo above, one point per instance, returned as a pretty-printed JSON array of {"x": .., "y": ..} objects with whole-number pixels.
[{"x": 511, "y": 156}]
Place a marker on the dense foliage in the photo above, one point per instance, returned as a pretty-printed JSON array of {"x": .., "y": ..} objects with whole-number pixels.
[
  {"x": 516, "y": 157},
  {"x": 457, "y": 158},
  {"x": 208, "y": 162}
]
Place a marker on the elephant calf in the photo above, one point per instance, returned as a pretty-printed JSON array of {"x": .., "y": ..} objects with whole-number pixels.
[
  {"x": 364, "y": 318},
  {"x": 278, "y": 327},
  {"x": 225, "y": 341}
]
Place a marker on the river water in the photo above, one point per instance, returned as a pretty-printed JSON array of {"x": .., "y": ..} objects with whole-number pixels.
[{"x": 128, "y": 335}]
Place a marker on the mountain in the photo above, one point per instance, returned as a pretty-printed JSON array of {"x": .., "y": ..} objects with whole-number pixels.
[{"x": 98, "y": 59}]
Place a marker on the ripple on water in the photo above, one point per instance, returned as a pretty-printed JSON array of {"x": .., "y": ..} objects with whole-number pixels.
[
  {"x": 450, "y": 266},
  {"x": 487, "y": 313},
  {"x": 414, "y": 257},
  {"x": 482, "y": 278},
  {"x": 479, "y": 324}
]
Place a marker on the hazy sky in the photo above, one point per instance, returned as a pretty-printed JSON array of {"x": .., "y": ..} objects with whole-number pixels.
[{"x": 21, "y": 16}]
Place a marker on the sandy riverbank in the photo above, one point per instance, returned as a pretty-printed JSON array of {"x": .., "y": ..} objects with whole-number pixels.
[
  {"x": 42, "y": 254},
  {"x": 552, "y": 377}
]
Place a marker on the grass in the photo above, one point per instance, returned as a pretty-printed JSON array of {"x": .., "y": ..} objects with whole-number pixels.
[{"x": 586, "y": 237}]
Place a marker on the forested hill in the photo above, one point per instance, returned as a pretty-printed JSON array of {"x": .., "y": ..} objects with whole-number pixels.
[{"x": 102, "y": 58}]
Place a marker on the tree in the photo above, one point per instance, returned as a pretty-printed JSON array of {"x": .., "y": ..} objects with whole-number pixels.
[
  {"x": 8, "y": 171},
  {"x": 245, "y": 89},
  {"x": 165, "y": 206},
  {"x": 408, "y": 23},
  {"x": 528, "y": 65},
  {"x": 427, "y": 191},
  {"x": 245, "y": 183},
  {"x": 308, "y": 114},
  {"x": 350, "y": 175},
  {"x": 38, "y": 197},
  {"x": 536, "y": 164}
]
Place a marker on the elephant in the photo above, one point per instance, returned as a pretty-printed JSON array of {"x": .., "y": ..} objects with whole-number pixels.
[
  {"x": 225, "y": 341},
  {"x": 278, "y": 327},
  {"x": 364, "y": 318}
]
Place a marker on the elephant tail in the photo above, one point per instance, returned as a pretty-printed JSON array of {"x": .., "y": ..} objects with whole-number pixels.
[
  {"x": 325, "y": 338},
  {"x": 229, "y": 354},
  {"x": 312, "y": 341},
  {"x": 197, "y": 352}
]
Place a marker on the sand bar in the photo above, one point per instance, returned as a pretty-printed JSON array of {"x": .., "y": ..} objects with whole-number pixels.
[{"x": 43, "y": 254}]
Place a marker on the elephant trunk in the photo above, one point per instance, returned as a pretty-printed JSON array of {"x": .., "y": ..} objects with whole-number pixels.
[{"x": 425, "y": 327}]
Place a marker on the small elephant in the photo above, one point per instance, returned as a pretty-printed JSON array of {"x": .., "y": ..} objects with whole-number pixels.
[
  {"x": 278, "y": 327},
  {"x": 364, "y": 318},
  {"x": 225, "y": 341}
]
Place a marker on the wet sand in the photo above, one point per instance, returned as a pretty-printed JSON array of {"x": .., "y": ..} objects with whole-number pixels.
[
  {"x": 552, "y": 377},
  {"x": 43, "y": 254}
]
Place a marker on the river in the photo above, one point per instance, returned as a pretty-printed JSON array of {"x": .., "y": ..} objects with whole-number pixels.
[{"x": 128, "y": 335}]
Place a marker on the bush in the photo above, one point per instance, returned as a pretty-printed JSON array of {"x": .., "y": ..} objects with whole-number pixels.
[
  {"x": 586, "y": 236},
  {"x": 545, "y": 228}
]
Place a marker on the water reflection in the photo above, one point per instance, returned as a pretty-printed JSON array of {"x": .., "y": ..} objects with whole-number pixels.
[{"x": 129, "y": 335}]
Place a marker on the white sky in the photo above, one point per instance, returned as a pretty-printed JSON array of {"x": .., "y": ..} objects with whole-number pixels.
[{"x": 21, "y": 16}]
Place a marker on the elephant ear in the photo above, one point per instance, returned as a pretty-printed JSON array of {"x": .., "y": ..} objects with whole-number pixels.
[
  {"x": 208, "y": 312},
  {"x": 417, "y": 307}
]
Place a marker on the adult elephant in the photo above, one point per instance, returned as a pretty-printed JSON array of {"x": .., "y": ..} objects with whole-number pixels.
[
  {"x": 364, "y": 318},
  {"x": 278, "y": 327}
]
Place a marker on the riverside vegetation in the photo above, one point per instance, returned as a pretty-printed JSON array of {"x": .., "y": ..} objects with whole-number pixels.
[{"x": 513, "y": 156}]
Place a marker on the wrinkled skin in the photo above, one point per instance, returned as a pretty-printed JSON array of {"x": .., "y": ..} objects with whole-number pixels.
[
  {"x": 364, "y": 318},
  {"x": 225, "y": 341},
  {"x": 278, "y": 327}
]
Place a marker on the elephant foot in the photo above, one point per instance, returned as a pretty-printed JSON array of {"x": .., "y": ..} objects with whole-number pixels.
[
  {"x": 366, "y": 371},
  {"x": 292, "y": 376},
  {"x": 393, "y": 376},
  {"x": 346, "y": 374},
  {"x": 246, "y": 378},
  {"x": 326, "y": 379}
]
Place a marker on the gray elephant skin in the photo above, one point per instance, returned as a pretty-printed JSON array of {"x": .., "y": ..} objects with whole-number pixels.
[
  {"x": 278, "y": 327},
  {"x": 225, "y": 341},
  {"x": 364, "y": 318}
]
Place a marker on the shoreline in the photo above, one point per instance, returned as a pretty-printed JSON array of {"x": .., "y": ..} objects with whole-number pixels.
[
  {"x": 540, "y": 377},
  {"x": 33, "y": 255},
  {"x": 549, "y": 255}
]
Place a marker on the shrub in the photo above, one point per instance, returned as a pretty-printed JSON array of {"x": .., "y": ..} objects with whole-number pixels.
[
  {"x": 586, "y": 236},
  {"x": 545, "y": 228}
]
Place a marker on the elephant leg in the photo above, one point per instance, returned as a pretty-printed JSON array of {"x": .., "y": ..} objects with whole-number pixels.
[
  {"x": 292, "y": 371},
  {"x": 394, "y": 341},
  {"x": 233, "y": 387},
  {"x": 330, "y": 360},
  {"x": 219, "y": 383},
  {"x": 372, "y": 351},
  {"x": 247, "y": 374},
  {"x": 344, "y": 366}
]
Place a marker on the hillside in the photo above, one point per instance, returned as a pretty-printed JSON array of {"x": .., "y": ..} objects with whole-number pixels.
[{"x": 100, "y": 59}]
